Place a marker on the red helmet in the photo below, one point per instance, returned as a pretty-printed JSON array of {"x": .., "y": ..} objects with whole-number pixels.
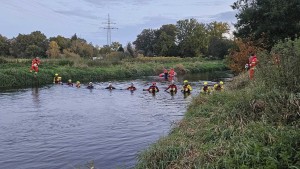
[{"x": 153, "y": 83}]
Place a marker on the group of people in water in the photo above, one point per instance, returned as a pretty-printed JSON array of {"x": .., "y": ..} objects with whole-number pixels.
[{"x": 172, "y": 88}]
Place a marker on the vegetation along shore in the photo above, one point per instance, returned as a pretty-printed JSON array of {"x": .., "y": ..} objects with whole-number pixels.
[{"x": 15, "y": 72}]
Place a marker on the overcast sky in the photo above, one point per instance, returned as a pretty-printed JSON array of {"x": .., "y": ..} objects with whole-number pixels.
[{"x": 86, "y": 17}]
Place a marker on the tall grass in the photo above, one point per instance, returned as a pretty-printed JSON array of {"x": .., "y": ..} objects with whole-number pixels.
[{"x": 253, "y": 124}]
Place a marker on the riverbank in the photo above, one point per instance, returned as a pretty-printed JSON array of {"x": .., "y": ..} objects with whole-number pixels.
[
  {"x": 252, "y": 124},
  {"x": 15, "y": 72}
]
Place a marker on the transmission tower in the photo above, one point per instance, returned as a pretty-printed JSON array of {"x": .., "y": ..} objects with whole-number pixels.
[{"x": 108, "y": 27}]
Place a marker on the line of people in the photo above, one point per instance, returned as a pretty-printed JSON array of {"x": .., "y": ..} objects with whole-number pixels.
[{"x": 172, "y": 88}]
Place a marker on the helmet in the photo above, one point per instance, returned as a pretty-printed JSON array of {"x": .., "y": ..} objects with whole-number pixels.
[
  {"x": 172, "y": 81},
  {"x": 221, "y": 82},
  {"x": 109, "y": 84},
  {"x": 205, "y": 83},
  {"x": 77, "y": 82},
  {"x": 90, "y": 83},
  {"x": 153, "y": 83},
  {"x": 185, "y": 81},
  {"x": 69, "y": 80},
  {"x": 56, "y": 74}
]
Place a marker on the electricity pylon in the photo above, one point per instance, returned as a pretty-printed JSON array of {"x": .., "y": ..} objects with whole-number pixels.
[{"x": 108, "y": 27}]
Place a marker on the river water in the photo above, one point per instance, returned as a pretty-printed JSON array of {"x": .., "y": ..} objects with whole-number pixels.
[{"x": 60, "y": 127}]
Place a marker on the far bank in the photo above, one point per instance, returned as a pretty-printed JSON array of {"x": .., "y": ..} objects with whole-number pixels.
[{"x": 15, "y": 72}]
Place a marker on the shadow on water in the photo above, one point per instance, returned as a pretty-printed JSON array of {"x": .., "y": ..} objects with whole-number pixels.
[{"x": 58, "y": 126}]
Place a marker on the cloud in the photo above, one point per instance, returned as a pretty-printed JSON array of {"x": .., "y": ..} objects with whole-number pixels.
[
  {"x": 221, "y": 17},
  {"x": 104, "y": 3},
  {"x": 78, "y": 13}
]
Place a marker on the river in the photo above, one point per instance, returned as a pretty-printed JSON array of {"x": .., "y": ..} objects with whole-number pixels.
[{"x": 61, "y": 127}]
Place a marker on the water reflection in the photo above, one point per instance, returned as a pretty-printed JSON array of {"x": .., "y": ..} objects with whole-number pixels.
[{"x": 36, "y": 97}]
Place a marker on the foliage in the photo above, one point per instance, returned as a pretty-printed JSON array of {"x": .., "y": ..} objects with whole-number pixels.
[
  {"x": 53, "y": 50},
  {"x": 285, "y": 65},
  {"x": 273, "y": 19},
  {"x": 239, "y": 55},
  {"x": 34, "y": 44},
  {"x": 130, "y": 50},
  {"x": 4, "y": 45},
  {"x": 15, "y": 72},
  {"x": 252, "y": 124},
  {"x": 191, "y": 38},
  {"x": 188, "y": 38},
  {"x": 165, "y": 38},
  {"x": 219, "y": 48},
  {"x": 145, "y": 41}
]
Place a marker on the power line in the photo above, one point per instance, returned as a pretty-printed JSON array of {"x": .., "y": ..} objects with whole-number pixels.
[{"x": 108, "y": 27}]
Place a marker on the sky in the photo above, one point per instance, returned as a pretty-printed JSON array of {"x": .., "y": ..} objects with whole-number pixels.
[{"x": 87, "y": 18}]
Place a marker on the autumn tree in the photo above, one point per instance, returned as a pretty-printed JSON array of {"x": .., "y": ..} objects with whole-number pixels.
[
  {"x": 240, "y": 53},
  {"x": 53, "y": 50},
  {"x": 62, "y": 42}
]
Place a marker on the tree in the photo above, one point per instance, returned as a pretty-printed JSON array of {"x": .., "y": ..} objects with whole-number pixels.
[
  {"x": 145, "y": 41},
  {"x": 240, "y": 53},
  {"x": 217, "y": 29},
  {"x": 22, "y": 45},
  {"x": 32, "y": 51},
  {"x": 53, "y": 50},
  {"x": 165, "y": 41},
  {"x": 219, "y": 48},
  {"x": 130, "y": 50},
  {"x": 272, "y": 20},
  {"x": 192, "y": 38},
  {"x": 4, "y": 45},
  {"x": 62, "y": 42},
  {"x": 115, "y": 46}
]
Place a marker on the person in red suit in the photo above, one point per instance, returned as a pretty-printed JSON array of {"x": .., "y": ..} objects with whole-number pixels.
[
  {"x": 252, "y": 62},
  {"x": 35, "y": 65}
]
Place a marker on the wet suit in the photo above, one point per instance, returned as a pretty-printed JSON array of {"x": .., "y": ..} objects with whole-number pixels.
[
  {"x": 153, "y": 89},
  {"x": 110, "y": 88},
  {"x": 131, "y": 88},
  {"x": 187, "y": 88},
  {"x": 172, "y": 87}
]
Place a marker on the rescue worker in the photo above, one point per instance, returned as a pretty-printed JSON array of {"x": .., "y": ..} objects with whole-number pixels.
[
  {"x": 70, "y": 82},
  {"x": 166, "y": 74},
  {"x": 153, "y": 88},
  {"x": 206, "y": 89},
  {"x": 110, "y": 87},
  {"x": 35, "y": 65},
  {"x": 219, "y": 87},
  {"x": 78, "y": 84},
  {"x": 59, "y": 80},
  {"x": 56, "y": 79},
  {"x": 186, "y": 88},
  {"x": 90, "y": 86},
  {"x": 253, "y": 62},
  {"x": 172, "y": 87},
  {"x": 172, "y": 72},
  {"x": 131, "y": 87}
]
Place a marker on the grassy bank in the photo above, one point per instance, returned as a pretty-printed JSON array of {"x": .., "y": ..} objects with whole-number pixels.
[
  {"x": 15, "y": 72},
  {"x": 253, "y": 124}
]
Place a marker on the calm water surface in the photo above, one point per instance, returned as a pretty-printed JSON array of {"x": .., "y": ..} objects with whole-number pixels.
[{"x": 60, "y": 127}]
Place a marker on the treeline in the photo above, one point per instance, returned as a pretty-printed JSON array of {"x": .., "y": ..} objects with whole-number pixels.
[
  {"x": 188, "y": 38},
  {"x": 37, "y": 44}
]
